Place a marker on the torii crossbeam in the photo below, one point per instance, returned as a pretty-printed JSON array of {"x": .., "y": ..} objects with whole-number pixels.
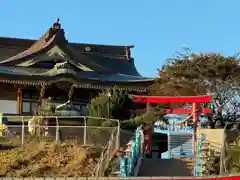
[
  {"x": 194, "y": 100},
  {"x": 171, "y": 99}
]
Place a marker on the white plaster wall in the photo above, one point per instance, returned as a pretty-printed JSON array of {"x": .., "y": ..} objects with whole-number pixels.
[{"x": 8, "y": 106}]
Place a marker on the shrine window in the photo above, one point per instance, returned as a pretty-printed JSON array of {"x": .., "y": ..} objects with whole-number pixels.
[
  {"x": 29, "y": 107},
  {"x": 34, "y": 107},
  {"x": 29, "y": 101},
  {"x": 28, "y": 94},
  {"x": 26, "y": 107}
]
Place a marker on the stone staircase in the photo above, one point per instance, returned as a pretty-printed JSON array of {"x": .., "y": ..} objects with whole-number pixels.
[
  {"x": 181, "y": 145},
  {"x": 165, "y": 167}
]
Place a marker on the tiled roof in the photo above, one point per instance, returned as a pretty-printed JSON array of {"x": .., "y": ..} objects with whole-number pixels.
[
  {"x": 96, "y": 60},
  {"x": 110, "y": 50},
  {"x": 93, "y": 67},
  {"x": 118, "y": 66},
  {"x": 26, "y": 72}
]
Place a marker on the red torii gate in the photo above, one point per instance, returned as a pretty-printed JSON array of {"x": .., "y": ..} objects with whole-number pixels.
[
  {"x": 195, "y": 110},
  {"x": 194, "y": 100}
]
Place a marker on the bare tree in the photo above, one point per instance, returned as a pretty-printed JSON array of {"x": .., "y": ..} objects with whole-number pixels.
[{"x": 226, "y": 100}]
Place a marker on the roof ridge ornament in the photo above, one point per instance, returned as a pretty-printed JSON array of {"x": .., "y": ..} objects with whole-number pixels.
[
  {"x": 57, "y": 25},
  {"x": 53, "y": 30}
]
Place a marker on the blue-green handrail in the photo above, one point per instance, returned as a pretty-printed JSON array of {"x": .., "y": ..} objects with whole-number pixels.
[
  {"x": 128, "y": 162},
  {"x": 198, "y": 158}
]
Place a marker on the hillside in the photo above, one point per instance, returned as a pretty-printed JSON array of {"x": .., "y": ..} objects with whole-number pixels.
[{"x": 38, "y": 159}]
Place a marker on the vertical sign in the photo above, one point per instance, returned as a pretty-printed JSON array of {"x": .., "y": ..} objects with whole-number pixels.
[{"x": 148, "y": 148}]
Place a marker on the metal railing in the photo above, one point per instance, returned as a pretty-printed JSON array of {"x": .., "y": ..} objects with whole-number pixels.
[
  {"x": 198, "y": 163},
  {"x": 131, "y": 160},
  {"x": 107, "y": 154},
  {"x": 62, "y": 128},
  {"x": 68, "y": 128},
  {"x": 221, "y": 154}
]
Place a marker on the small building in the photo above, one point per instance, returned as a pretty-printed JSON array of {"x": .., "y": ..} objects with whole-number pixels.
[{"x": 53, "y": 67}]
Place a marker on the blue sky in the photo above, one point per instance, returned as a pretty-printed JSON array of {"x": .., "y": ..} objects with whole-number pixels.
[{"x": 157, "y": 28}]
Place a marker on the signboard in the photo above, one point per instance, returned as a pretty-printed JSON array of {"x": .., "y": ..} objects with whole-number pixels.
[{"x": 148, "y": 148}]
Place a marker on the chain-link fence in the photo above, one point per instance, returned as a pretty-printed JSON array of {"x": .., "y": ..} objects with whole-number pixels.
[
  {"x": 230, "y": 153},
  {"x": 19, "y": 129}
]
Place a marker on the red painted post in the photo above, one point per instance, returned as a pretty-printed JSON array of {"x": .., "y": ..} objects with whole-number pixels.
[{"x": 148, "y": 145}]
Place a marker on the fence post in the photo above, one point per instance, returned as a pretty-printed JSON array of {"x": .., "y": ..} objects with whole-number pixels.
[
  {"x": 222, "y": 155},
  {"x": 110, "y": 148},
  {"x": 99, "y": 171},
  {"x": 23, "y": 134},
  {"x": 109, "y": 151},
  {"x": 118, "y": 135},
  {"x": 57, "y": 130},
  {"x": 85, "y": 131}
]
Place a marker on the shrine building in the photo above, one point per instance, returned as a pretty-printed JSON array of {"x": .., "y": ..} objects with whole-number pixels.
[{"x": 53, "y": 67}]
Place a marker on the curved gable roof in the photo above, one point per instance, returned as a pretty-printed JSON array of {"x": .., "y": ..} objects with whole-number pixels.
[{"x": 56, "y": 37}]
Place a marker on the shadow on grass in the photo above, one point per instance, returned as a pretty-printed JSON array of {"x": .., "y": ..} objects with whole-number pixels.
[
  {"x": 7, "y": 147},
  {"x": 5, "y": 144}
]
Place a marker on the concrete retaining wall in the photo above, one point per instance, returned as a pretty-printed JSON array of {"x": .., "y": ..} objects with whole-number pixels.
[{"x": 213, "y": 136}]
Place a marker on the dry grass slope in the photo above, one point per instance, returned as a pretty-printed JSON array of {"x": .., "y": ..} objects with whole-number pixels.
[{"x": 38, "y": 159}]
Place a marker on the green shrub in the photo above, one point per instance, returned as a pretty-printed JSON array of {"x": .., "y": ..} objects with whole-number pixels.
[
  {"x": 149, "y": 118},
  {"x": 109, "y": 123},
  {"x": 116, "y": 107}
]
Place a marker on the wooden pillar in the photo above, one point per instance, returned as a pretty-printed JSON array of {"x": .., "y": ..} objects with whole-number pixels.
[
  {"x": 195, "y": 125},
  {"x": 1, "y": 124},
  {"x": 42, "y": 93},
  {"x": 19, "y": 100},
  {"x": 70, "y": 92},
  {"x": 41, "y": 97},
  {"x": 195, "y": 116}
]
